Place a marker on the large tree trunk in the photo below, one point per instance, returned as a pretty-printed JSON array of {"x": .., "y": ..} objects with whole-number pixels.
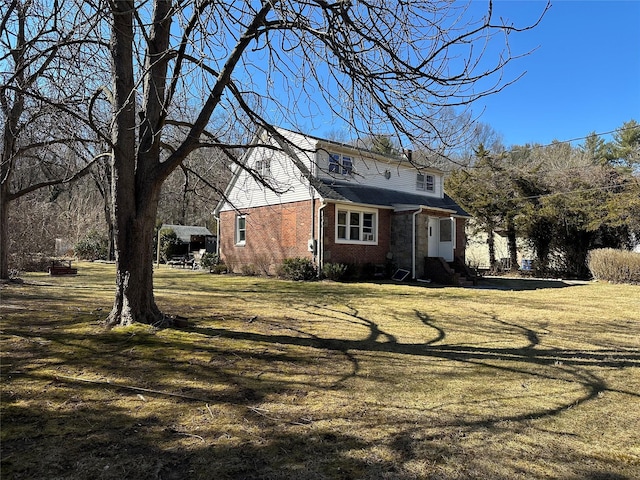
[
  {"x": 135, "y": 174},
  {"x": 12, "y": 113},
  {"x": 134, "y": 218},
  {"x": 4, "y": 232},
  {"x": 6, "y": 171},
  {"x": 134, "y": 300},
  {"x": 491, "y": 244},
  {"x": 512, "y": 243}
]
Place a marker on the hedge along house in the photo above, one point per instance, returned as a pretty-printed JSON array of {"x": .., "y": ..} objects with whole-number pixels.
[{"x": 335, "y": 203}]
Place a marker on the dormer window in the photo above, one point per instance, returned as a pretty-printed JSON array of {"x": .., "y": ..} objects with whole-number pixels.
[
  {"x": 340, "y": 164},
  {"x": 347, "y": 166},
  {"x": 425, "y": 183}
]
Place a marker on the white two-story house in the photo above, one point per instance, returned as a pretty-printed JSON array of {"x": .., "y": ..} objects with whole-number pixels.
[{"x": 335, "y": 203}]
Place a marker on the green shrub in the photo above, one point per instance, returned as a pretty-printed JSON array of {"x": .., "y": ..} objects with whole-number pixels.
[
  {"x": 219, "y": 268},
  {"x": 170, "y": 244},
  {"x": 213, "y": 263},
  {"x": 297, "y": 268},
  {"x": 94, "y": 246},
  {"x": 209, "y": 260},
  {"x": 334, "y": 271},
  {"x": 249, "y": 270},
  {"x": 615, "y": 266}
]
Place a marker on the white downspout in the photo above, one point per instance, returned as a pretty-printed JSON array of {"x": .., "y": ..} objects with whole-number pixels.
[
  {"x": 217, "y": 235},
  {"x": 313, "y": 227},
  {"x": 320, "y": 237},
  {"x": 413, "y": 243}
]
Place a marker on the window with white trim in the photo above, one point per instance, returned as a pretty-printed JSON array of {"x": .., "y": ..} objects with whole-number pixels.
[
  {"x": 446, "y": 229},
  {"x": 356, "y": 226},
  {"x": 340, "y": 164},
  {"x": 241, "y": 229},
  {"x": 263, "y": 167},
  {"x": 426, "y": 183}
]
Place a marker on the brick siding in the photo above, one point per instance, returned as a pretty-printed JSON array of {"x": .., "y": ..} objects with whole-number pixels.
[
  {"x": 276, "y": 232},
  {"x": 273, "y": 233}
]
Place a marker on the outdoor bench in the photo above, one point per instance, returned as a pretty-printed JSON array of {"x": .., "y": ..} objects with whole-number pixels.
[{"x": 60, "y": 267}]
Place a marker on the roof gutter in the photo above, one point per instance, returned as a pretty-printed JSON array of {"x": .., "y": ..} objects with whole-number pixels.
[{"x": 404, "y": 208}]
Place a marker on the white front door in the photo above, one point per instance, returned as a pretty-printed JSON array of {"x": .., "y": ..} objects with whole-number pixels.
[
  {"x": 433, "y": 237},
  {"x": 442, "y": 236}
]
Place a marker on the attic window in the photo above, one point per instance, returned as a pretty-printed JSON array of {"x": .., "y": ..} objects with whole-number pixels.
[
  {"x": 263, "y": 167},
  {"x": 340, "y": 164},
  {"x": 425, "y": 183}
]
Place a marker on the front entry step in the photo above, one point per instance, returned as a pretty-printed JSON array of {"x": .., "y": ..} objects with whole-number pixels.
[{"x": 439, "y": 271}]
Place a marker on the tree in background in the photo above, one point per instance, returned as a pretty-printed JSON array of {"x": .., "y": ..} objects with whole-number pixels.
[
  {"x": 190, "y": 191},
  {"x": 169, "y": 244},
  {"x": 561, "y": 200},
  {"x": 379, "y": 143},
  {"x": 485, "y": 189},
  {"x": 43, "y": 92},
  {"x": 625, "y": 148},
  {"x": 531, "y": 223},
  {"x": 589, "y": 200}
]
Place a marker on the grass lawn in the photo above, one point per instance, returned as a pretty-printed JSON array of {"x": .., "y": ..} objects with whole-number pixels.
[{"x": 516, "y": 379}]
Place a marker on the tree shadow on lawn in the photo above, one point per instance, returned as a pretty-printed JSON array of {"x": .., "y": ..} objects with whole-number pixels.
[
  {"x": 519, "y": 284},
  {"x": 465, "y": 354},
  {"x": 99, "y": 440},
  {"x": 142, "y": 448},
  {"x": 515, "y": 284}
]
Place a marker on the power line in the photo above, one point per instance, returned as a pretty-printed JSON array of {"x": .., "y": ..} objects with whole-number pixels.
[
  {"x": 557, "y": 194},
  {"x": 555, "y": 142}
]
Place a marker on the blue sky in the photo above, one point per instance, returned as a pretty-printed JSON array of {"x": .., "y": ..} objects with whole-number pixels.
[{"x": 583, "y": 77}]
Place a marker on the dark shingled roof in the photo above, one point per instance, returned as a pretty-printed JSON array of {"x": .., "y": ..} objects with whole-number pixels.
[
  {"x": 185, "y": 232},
  {"x": 382, "y": 197}
]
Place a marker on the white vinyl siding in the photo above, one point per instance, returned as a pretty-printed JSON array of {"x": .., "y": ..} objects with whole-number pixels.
[
  {"x": 279, "y": 170},
  {"x": 380, "y": 173},
  {"x": 290, "y": 184}
]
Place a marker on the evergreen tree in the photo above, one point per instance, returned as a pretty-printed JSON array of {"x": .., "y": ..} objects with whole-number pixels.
[{"x": 486, "y": 191}]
